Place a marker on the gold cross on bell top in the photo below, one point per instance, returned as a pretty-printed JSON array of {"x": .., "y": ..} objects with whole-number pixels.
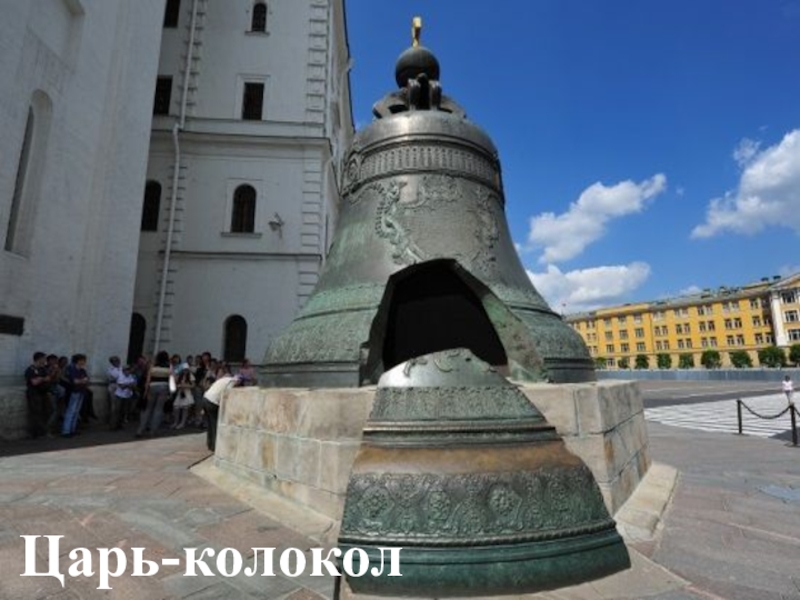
[{"x": 416, "y": 30}]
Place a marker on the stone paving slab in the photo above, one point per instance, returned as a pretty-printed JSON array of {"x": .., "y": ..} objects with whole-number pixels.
[
  {"x": 723, "y": 537},
  {"x": 722, "y": 532},
  {"x": 645, "y": 579},
  {"x": 126, "y": 495}
]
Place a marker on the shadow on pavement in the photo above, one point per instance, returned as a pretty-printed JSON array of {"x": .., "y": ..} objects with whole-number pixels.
[
  {"x": 786, "y": 436},
  {"x": 93, "y": 434}
]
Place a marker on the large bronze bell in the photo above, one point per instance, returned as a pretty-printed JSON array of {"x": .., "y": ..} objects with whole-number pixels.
[
  {"x": 424, "y": 294},
  {"x": 422, "y": 183},
  {"x": 464, "y": 474}
]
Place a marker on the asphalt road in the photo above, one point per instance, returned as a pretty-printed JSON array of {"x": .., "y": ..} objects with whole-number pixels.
[{"x": 668, "y": 393}]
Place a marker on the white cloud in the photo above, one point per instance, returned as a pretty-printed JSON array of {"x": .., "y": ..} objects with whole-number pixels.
[
  {"x": 565, "y": 236},
  {"x": 788, "y": 270},
  {"x": 690, "y": 291},
  {"x": 768, "y": 193},
  {"x": 746, "y": 151},
  {"x": 587, "y": 289}
]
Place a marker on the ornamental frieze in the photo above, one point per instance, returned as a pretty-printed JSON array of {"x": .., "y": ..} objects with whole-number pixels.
[{"x": 464, "y": 508}]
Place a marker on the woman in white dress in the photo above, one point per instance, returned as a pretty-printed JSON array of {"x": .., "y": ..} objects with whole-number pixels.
[{"x": 184, "y": 399}]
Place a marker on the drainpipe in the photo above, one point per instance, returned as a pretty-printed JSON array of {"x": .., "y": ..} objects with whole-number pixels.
[
  {"x": 176, "y": 129},
  {"x": 323, "y": 242}
]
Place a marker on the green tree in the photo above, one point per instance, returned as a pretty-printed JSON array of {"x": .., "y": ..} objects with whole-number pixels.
[
  {"x": 642, "y": 361},
  {"x": 794, "y": 354},
  {"x": 772, "y": 357},
  {"x": 664, "y": 361},
  {"x": 711, "y": 359},
  {"x": 740, "y": 359},
  {"x": 600, "y": 362},
  {"x": 624, "y": 363},
  {"x": 686, "y": 360}
]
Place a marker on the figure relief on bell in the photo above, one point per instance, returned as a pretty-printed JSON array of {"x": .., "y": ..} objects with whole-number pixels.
[{"x": 437, "y": 216}]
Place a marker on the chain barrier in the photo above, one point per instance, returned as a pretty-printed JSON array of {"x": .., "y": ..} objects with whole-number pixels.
[
  {"x": 791, "y": 409},
  {"x": 768, "y": 418}
]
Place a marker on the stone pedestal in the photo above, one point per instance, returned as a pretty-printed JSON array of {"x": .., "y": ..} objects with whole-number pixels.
[
  {"x": 298, "y": 443},
  {"x": 14, "y": 408},
  {"x": 301, "y": 443},
  {"x": 604, "y": 425}
]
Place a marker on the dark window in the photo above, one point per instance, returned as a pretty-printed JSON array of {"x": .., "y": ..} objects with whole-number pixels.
[
  {"x": 152, "y": 206},
  {"x": 163, "y": 96},
  {"x": 12, "y": 325},
  {"x": 22, "y": 168},
  {"x": 172, "y": 13},
  {"x": 136, "y": 338},
  {"x": 260, "y": 17},
  {"x": 235, "y": 339},
  {"x": 253, "y": 102},
  {"x": 243, "y": 219}
]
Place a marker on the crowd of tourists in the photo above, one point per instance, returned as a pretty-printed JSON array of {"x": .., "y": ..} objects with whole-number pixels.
[{"x": 166, "y": 392}]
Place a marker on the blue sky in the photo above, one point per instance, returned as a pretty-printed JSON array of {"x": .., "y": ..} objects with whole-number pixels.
[{"x": 649, "y": 147}]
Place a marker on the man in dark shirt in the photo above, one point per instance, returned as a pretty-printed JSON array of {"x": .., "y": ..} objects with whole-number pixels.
[
  {"x": 78, "y": 385},
  {"x": 37, "y": 383}
]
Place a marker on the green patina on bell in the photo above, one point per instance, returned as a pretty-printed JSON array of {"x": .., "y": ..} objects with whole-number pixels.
[
  {"x": 462, "y": 472},
  {"x": 422, "y": 184}
]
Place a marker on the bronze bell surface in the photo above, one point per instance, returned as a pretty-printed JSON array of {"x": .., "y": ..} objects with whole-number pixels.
[
  {"x": 464, "y": 474},
  {"x": 422, "y": 185}
]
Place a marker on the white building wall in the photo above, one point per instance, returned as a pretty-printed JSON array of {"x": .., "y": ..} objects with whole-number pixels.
[
  {"x": 778, "y": 323},
  {"x": 291, "y": 157},
  {"x": 785, "y": 298},
  {"x": 71, "y": 278}
]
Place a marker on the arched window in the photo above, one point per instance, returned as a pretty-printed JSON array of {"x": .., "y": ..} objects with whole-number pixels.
[
  {"x": 259, "y": 16},
  {"x": 235, "y": 343},
  {"x": 152, "y": 206},
  {"x": 19, "y": 228},
  {"x": 172, "y": 13},
  {"x": 136, "y": 337},
  {"x": 243, "y": 217},
  {"x": 22, "y": 167}
]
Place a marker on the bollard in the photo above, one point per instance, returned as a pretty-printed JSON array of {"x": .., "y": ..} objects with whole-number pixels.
[
  {"x": 739, "y": 414},
  {"x": 792, "y": 412}
]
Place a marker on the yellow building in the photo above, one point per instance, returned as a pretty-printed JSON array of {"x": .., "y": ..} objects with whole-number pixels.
[{"x": 749, "y": 318}]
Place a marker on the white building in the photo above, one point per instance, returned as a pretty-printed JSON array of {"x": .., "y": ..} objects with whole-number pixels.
[
  {"x": 234, "y": 237},
  {"x": 80, "y": 145},
  {"x": 785, "y": 305},
  {"x": 76, "y": 101}
]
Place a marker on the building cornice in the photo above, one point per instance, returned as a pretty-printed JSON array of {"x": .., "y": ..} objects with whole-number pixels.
[
  {"x": 235, "y": 255},
  {"x": 709, "y": 297},
  {"x": 240, "y": 145},
  {"x": 241, "y": 128}
]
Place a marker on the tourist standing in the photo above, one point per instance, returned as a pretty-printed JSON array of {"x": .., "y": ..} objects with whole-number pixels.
[
  {"x": 55, "y": 394},
  {"x": 156, "y": 393},
  {"x": 247, "y": 374},
  {"x": 37, "y": 384},
  {"x": 78, "y": 382},
  {"x": 184, "y": 398},
  {"x": 123, "y": 395},
  {"x": 113, "y": 372},
  {"x": 788, "y": 389},
  {"x": 212, "y": 398}
]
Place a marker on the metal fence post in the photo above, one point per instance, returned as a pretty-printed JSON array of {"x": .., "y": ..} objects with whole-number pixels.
[
  {"x": 739, "y": 414},
  {"x": 793, "y": 411}
]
